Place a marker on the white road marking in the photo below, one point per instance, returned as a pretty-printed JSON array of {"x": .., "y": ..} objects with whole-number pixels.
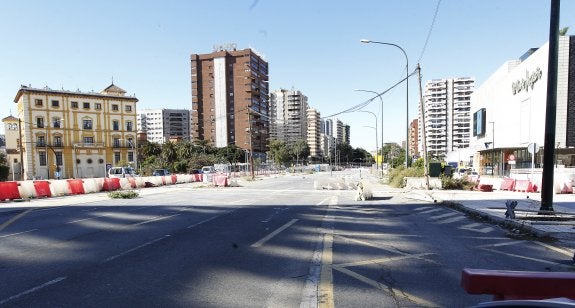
[
  {"x": 396, "y": 293},
  {"x": 384, "y": 260},
  {"x": 450, "y": 220},
  {"x": 501, "y": 244},
  {"x": 450, "y": 214},
  {"x": 13, "y": 219},
  {"x": 562, "y": 251},
  {"x": 271, "y": 235},
  {"x": 431, "y": 211},
  {"x": 210, "y": 219},
  {"x": 135, "y": 248},
  {"x": 154, "y": 219},
  {"x": 17, "y": 296},
  {"x": 8, "y": 235},
  {"x": 527, "y": 258},
  {"x": 475, "y": 228}
]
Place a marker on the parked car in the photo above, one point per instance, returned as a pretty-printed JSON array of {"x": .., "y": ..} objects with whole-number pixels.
[
  {"x": 208, "y": 169},
  {"x": 122, "y": 172},
  {"x": 160, "y": 172}
]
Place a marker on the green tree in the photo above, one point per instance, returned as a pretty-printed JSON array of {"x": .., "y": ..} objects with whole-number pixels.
[
  {"x": 4, "y": 169},
  {"x": 361, "y": 155},
  {"x": 393, "y": 154},
  {"x": 563, "y": 31},
  {"x": 279, "y": 152},
  {"x": 300, "y": 150}
]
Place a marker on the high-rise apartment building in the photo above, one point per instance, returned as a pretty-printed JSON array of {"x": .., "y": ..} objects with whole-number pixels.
[
  {"x": 346, "y": 138},
  {"x": 339, "y": 131},
  {"x": 76, "y": 134},
  {"x": 230, "y": 98},
  {"x": 163, "y": 125},
  {"x": 288, "y": 109},
  {"x": 414, "y": 138},
  {"x": 447, "y": 114},
  {"x": 314, "y": 138}
]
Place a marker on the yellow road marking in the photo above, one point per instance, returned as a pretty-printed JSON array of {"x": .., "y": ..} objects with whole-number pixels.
[{"x": 325, "y": 298}]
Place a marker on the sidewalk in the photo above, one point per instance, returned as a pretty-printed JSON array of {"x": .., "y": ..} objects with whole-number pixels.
[{"x": 491, "y": 205}]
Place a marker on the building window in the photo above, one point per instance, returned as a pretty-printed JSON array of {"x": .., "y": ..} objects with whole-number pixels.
[
  {"x": 40, "y": 122},
  {"x": 86, "y": 105},
  {"x": 128, "y": 108},
  {"x": 129, "y": 126},
  {"x": 116, "y": 157},
  {"x": 130, "y": 156},
  {"x": 87, "y": 124},
  {"x": 42, "y": 157},
  {"x": 98, "y": 106},
  {"x": 115, "y": 125},
  {"x": 74, "y": 104},
  {"x": 55, "y": 103},
  {"x": 115, "y": 107},
  {"x": 89, "y": 140},
  {"x": 38, "y": 102},
  {"x": 56, "y": 122},
  {"x": 58, "y": 141},
  {"x": 41, "y": 141},
  {"x": 58, "y": 158},
  {"x": 116, "y": 142}
]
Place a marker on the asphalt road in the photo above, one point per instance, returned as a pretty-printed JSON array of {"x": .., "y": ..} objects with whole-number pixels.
[{"x": 273, "y": 243}]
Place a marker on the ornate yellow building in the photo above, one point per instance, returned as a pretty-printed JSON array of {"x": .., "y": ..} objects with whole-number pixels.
[{"x": 68, "y": 134}]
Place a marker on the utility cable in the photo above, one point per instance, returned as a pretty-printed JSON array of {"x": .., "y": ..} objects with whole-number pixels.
[{"x": 430, "y": 30}]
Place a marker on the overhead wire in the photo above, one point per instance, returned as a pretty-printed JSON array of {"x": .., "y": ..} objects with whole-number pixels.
[
  {"x": 429, "y": 32},
  {"x": 367, "y": 102}
]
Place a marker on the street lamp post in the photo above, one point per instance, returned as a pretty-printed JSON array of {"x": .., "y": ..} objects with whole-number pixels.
[
  {"x": 376, "y": 145},
  {"x": 381, "y": 100},
  {"x": 492, "y": 146},
  {"x": 407, "y": 94}
]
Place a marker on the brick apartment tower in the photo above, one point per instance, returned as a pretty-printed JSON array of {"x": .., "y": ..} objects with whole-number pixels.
[{"x": 230, "y": 88}]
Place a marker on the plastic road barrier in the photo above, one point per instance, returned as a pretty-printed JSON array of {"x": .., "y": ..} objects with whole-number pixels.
[
  {"x": 111, "y": 184},
  {"x": 523, "y": 186},
  {"x": 508, "y": 184},
  {"x": 42, "y": 189},
  {"x": 76, "y": 187},
  {"x": 9, "y": 190},
  {"x": 512, "y": 285}
]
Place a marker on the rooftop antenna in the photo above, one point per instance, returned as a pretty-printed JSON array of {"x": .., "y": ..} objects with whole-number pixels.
[{"x": 112, "y": 80}]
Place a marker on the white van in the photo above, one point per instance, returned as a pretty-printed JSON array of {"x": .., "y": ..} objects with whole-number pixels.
[
  {"x": 122, "y": 172},
  {"x": 208, "y": 169}
]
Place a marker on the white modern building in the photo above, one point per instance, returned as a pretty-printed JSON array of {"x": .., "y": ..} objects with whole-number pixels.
[
  {"x": 509, "y": 112},
  {"x": 163, "y": 125},
  {"x": 288, "y": 109},
  {"x": 314, "y": 134},
  {"x": 447, "y": 122}
]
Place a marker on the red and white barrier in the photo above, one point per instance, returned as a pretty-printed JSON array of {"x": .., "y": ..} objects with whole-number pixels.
[
  {"x": 76, "y": 186},
  {"x": 9, "y": 191},
  {"x": 42, "y": 189}
]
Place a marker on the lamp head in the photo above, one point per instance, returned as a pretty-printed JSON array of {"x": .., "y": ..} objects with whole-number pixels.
[{"x": 365, "y": 41}]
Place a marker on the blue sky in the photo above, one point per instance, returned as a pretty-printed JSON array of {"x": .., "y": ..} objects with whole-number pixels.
[{"x": 312, "y": 46}]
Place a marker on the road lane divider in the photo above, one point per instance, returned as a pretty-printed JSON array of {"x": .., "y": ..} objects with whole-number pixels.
[
  {"x": 135, "y": 248},
  {"x": 13, "y": 219},
  {"x": 18, "y": 233},
  {"x": 273, "y": 234},
  {"x": 42, "y": 286}
]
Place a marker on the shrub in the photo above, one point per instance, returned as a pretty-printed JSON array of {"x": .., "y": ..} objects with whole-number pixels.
[
  {"x": 125, "y": 194},
  {"x": 397, "y": 175},
  {"x": 456, "y": 184}
]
